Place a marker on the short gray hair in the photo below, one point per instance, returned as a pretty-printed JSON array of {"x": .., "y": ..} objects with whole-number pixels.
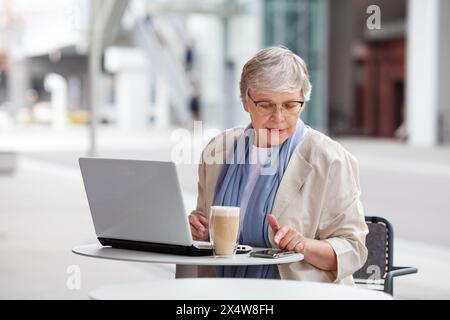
[{"x": 275, "y": 69}]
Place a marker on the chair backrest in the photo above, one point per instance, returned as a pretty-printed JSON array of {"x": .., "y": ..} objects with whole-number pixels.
[{"x": 379, "y": 243}]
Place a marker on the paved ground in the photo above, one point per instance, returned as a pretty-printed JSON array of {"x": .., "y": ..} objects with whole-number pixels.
[{"x": 44, "y": 213}]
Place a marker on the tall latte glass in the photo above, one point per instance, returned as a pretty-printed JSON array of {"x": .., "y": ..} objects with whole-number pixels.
[{"x": 224, "y": 230}]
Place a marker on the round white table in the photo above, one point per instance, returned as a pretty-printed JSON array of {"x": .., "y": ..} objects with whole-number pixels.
[
  {"x": 186, "y": 266},
  {"x": 235, "y": 289}
]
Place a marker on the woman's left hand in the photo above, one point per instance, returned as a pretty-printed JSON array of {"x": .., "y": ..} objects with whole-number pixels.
[{"x": 287, "y": 237}]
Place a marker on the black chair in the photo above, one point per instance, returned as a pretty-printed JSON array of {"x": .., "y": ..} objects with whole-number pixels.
[{"x": 379, "y": 270}]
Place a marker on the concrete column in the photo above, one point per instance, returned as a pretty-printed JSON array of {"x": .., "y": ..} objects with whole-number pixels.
[
  {"x": 444, "y": 73},
  {"x": 246, "y": 29},
  {"x": 341, "y": 38},
  {"x": 425, "y": 61},
  {"x": 18, "y": 83},
  {"x": 162, "y": 104},
  {"x": 132, "y": 87},
  {"x": 208, "y": 32},
  {"x": 133, "y": 99},
  {"x": 57, "y": 86},
  {"x": 94, "y": 66}
]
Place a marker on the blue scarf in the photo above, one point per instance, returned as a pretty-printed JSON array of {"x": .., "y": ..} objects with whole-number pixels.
[{"x": 230, "y": 188}]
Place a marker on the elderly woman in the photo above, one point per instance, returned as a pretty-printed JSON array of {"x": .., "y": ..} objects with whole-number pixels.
[{"x": 297, "y": 189}]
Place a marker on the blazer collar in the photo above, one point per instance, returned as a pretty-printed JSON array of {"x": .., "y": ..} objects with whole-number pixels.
[{"x": 296, "y": 173}]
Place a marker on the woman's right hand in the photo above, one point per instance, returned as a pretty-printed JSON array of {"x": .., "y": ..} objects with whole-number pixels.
[{"x": 199, "y": 227}]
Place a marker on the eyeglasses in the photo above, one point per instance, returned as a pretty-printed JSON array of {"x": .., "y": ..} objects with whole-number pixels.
[{"x": 267, "y": 108}]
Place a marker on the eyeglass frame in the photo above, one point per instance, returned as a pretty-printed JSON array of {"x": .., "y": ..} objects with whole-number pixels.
[{"x": 302, "y": 104}]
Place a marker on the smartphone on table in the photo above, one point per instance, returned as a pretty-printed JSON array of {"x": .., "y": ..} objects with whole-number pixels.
[{"x": 271, "y": 253}]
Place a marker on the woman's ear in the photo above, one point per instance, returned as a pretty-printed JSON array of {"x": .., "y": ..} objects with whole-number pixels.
[{"x": 244, "y": 103}]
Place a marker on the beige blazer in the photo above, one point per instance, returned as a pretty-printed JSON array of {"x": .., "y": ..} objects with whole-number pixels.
[{"x": 319, "y": 195}]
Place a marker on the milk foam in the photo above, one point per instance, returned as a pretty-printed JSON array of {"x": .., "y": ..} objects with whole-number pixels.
[{"x": 225, "y": 211}]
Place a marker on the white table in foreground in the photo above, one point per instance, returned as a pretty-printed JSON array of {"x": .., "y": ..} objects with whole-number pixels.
[
  {"x": 235, "y": 289},
  {"x": 185, "y": 265}
]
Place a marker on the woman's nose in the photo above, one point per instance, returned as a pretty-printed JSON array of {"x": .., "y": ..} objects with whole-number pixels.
[{"x": 278, "y": 115}]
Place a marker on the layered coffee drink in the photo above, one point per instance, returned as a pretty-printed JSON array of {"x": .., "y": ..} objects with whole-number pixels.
[{"x": 224, "y": 230}]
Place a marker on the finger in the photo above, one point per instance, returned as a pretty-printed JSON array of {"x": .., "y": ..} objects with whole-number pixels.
[
  {"x": 195, "y": 234},
  {"x": 280, "y": 234},
  {"x": 203, "y": 220},
  {"x": 204, "y": 232},
  {"x": 300, "y": 247},
  {"x": 291, "y": 234},
  {"x": 199, "y": 235},
  {"x": 202, "y": 236},
  {"x": 286, "y": 239},
  {"x": 193, "y": 226},
  {"x": 274, "y": 223},
  {"x": 205, "y": 236},
  {"x": 292, "y": 245},
  {"x": 193, "y": 220}
]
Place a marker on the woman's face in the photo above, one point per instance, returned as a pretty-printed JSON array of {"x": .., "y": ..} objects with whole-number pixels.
[{"x": 277, "y": 127}]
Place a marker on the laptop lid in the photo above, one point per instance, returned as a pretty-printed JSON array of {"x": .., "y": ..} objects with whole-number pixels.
[{"x": 136, "y": 200}]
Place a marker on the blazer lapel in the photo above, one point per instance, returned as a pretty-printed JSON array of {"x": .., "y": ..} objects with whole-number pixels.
[{"x": 293, "y": 179}]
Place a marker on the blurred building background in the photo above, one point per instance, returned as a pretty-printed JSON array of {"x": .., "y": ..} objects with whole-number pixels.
[
  {"x": 116, "y": 77},
  {"x": 370, "y": 82}
]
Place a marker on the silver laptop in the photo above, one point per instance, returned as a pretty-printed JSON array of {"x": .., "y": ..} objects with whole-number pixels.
[{"x": 138, "y": 205}]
